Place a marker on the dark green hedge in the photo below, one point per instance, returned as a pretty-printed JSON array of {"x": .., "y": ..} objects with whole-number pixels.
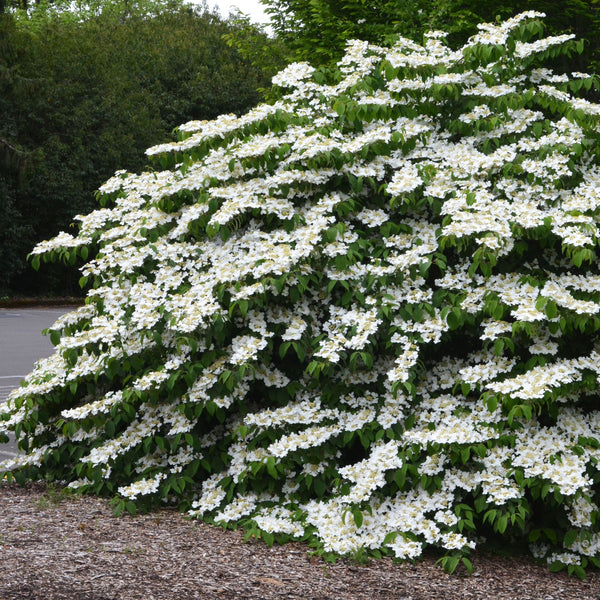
[{"x": 80, "y": 99}]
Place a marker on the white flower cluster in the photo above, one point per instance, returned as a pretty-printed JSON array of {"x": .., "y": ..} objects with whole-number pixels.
[
  {"x": 348, "y": 313},
  {"x": 368, "y": 474},
  {"x": 142, "y": 487},
  {"x": 278, "y": 519}
]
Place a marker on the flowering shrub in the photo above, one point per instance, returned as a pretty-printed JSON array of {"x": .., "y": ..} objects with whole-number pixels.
[{"x": 365, "y": 316}]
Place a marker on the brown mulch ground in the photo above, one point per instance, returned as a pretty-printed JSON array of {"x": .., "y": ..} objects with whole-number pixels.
[{"x": 56, "y": 547}]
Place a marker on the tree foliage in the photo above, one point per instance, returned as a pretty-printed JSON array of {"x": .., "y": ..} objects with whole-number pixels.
[
  {"x": 252, "y": 41},
  {"x": 317, "y": 30},
  {"x": 82, "y": 94},
  {"x": 366, "y": 316}
]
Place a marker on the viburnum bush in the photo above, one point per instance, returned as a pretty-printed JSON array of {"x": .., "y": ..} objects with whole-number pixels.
[{"x": 365, "y": 315}]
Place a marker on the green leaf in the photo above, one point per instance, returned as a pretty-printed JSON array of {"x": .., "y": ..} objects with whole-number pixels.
[
  {"x": 556, "y": 566},
  {"x": 358, "y": 517},
  {"x": 492, "y": 403},
  {"x": 284, "y": 348},
  {"x": 454, "y": 318},
  {"x": 449, "y": 563},
  {"x": 501, "y": 524},
  {"x": 390, "y": 538},
  {"x": 131, "y": 508},
  {"x": 129, "y": 410},
  {"x": 267, "y": 537},
  {"x": 490, "y": 515},
  {"x": 499, "y": 346},
  {"x": 570, "y": 537},
  {"x": 319, "y": 486},
  {"x": 339, "y": 107},
  {"x": 271, "y": 468},
  {"x": 300, "y": 353},
  {"x": 551, "y": 309},
  {"x": 468, "y": 565},
  {"x": 465, "y": 454},
  {"x": 541, "y": 302},
  {"x": 250, "y": 533}
]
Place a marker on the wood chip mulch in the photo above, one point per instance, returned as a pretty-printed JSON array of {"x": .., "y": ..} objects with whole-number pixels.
[{"x": 57, "y": 547}]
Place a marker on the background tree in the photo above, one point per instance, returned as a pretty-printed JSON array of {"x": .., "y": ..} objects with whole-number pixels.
[
  {"x": 253, "y": 42},
  {"x": 14, "y": 159},
  {"x": 318, "y": 30},
  {"x": 85, "y": 93}
]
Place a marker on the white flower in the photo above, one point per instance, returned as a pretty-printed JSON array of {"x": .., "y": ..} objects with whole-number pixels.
[
  {"x": 404, "y": 181},
  {"x": 143, "y": 487}
]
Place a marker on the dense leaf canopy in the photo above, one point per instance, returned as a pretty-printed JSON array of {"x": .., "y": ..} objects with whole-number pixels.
[
  {"x": 317, "y": 30},
  {"x": 83, "y": 94},
  {"x": 366, "y": 315}
]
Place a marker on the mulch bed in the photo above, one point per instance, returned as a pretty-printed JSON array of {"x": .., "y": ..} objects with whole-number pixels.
[{"x": 58, "y": 547}]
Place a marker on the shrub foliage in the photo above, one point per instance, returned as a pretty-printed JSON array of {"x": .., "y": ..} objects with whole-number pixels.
[{"x": 365, "y": 315}]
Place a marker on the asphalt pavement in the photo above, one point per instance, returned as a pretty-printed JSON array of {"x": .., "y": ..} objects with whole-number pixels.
[{"x": 21, "y": 345}]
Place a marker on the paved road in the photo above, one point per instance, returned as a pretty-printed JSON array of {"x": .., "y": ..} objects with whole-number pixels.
[{"x": 21, "y": 345}]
